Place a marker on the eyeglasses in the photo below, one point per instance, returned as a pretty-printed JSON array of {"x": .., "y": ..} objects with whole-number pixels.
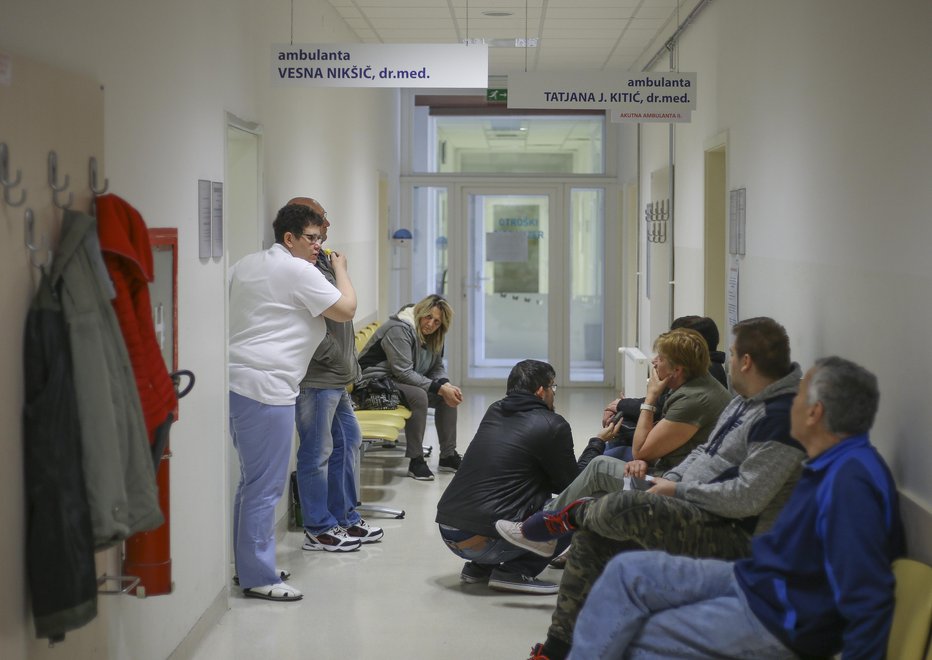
[
  {"x": 314, "y": 238},
  {"x": 553, "y": 387}
]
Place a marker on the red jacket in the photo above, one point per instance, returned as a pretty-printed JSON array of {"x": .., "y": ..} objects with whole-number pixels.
[{"x": 124, "y": 241}]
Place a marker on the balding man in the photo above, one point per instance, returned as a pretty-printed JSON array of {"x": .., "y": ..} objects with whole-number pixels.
[{"x": 328, "y": 432}]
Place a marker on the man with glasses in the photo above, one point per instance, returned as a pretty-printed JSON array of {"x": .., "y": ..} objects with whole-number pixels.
[
  {"x": 277, "y": 303},
  {"x": 328, "y": 431},
  {"x": 521, "y": 454}
]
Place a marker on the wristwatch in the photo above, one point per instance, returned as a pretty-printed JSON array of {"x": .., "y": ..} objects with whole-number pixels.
[{"x": 647, "y": 406}]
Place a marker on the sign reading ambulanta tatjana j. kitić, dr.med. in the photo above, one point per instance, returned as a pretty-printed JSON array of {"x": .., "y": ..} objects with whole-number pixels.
[
  {"x": 641, "y": 97},
  {"x": 381, "y": 65}
]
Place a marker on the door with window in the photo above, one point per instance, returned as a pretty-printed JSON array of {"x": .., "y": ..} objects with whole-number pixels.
[{"x": 524, "y": 269}]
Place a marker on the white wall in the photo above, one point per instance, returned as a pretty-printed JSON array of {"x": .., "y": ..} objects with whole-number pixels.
[
  {"x": 826, "y": 108},
  {"x": 170, "y": 71}
]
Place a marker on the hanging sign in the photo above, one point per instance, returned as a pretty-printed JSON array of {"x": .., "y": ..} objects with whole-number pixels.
[
  {"x": 381, "y": 65},
  {"x": 668, "y": 96}
]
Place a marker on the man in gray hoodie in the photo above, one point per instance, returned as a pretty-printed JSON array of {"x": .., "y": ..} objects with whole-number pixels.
[
  {"x": 329, "y": 433},
  {"x": 728, "y": 489}
]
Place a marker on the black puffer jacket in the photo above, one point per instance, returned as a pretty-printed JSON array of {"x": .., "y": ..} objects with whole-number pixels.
[{"x": 521, "y": 454}]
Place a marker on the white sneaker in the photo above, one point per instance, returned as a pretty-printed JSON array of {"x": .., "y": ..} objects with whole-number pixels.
[
  {"x": 364, "y": 532},
  {"x": 511, "y": 532},
  {"x": 334, "y": 539}
]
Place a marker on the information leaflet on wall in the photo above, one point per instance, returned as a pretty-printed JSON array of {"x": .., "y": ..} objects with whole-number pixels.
[
  {"x": 381, "y": 65},
  {"x": 664, "y": 97}
]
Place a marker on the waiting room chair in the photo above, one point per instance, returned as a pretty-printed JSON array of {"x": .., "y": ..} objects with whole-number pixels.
[{"x": 912, "y": 613}]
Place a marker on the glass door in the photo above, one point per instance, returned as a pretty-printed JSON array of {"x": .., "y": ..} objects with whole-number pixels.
[
  {"x": 524, "y": 268},
  {"x": 507, "y": 282}
]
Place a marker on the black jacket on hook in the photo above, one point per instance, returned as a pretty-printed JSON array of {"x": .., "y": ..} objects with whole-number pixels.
[{"x": 59, "y": 542}]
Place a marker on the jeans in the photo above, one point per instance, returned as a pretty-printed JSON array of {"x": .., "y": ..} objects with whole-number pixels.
[
  {"x": 496, "y": 552},
  {"x": 655, "y": 605},
  {"x": 262, "y": 437},
  {"x": 328, "y": 455}
]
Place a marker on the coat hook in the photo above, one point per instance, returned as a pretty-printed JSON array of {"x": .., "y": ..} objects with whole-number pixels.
[
  {"x": 5, "y": 177},
  {"x": 29, "y": 239},
  {"x": 55, "y": 186},
  {"x": 92, "y": 178}
]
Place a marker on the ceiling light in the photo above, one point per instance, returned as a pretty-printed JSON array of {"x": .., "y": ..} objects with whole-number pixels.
[{"x": 517, "y": 42}]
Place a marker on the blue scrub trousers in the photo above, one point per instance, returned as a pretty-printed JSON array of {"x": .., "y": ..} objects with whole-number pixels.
[{"x": 262, "y": 436}]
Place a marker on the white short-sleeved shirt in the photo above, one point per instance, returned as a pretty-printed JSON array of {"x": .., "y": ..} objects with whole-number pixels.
[{"x": 275, "y": 325}]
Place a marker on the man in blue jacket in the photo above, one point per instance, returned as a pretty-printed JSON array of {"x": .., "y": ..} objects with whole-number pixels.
[{"x": 818, "y": 583}]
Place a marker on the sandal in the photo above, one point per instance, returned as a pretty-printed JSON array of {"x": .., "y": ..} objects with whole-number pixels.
[
  {"x": 283, "y": 573},
  {"x": 280, "y": 591}
]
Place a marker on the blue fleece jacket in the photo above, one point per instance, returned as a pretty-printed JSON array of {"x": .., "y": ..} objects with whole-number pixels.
[{"x": 820, "y": 580}]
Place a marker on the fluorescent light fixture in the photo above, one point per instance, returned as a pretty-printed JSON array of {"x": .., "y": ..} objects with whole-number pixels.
[{"x": 517, "y": 42}]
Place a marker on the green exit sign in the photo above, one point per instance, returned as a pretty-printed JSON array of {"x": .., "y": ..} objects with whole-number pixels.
[{"x": 496, "y": 95}]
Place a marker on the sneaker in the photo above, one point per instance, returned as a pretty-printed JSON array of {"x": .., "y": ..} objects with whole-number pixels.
[
  {"x": 418, "y": 469},
  {"x": 474, "y": 573},
  {"x": 544, "y": 525},
  {"x": 450, "y": 463},
  {"x": 537, "y": 653},
  {"x": 283, "y": 573},
  {"x": 523, "y": 584},
  {"x": 365, "y": 532},
  {"x": 334, "y": 539},
  {"x": 512, "y": 532}
]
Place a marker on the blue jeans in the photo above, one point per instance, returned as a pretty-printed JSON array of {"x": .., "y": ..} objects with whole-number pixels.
[
  {"x": 655, "y": 605},
  {"x": 328, "y": 453},
  {"x": 497, "y": 552},
  {"x": 262, "y": 437}
]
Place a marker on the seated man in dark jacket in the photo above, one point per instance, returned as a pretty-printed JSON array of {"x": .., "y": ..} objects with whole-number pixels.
[{"x": 521, "y": 454}]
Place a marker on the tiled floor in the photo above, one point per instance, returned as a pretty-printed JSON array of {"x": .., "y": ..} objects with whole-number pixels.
[{"x": 400, "y": 598}]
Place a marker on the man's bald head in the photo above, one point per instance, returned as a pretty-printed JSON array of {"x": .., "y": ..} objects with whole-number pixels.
[{"x": 315, "y": 206}]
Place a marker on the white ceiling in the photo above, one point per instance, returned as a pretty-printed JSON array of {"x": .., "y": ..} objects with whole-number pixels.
[{"x": 574, "y": 35}]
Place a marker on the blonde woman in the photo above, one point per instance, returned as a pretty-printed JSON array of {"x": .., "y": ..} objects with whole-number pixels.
[{"x": 408, "y": 348}]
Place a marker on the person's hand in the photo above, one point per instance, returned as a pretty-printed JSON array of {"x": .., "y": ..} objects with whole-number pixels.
[
  {"x": 663, "y": 487},
  {"x": 451, "y": 394},
  {"x": 609, "y": 412},
  {"x": 655, "y": 386},
  {"x": 609, "y": 432},
  {"x": 338, "y": 260},
  {"x": 636, "y": 468}
]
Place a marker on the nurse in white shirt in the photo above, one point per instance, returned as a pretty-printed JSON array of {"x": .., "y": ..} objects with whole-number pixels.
[{"x": 277, "y": 299}]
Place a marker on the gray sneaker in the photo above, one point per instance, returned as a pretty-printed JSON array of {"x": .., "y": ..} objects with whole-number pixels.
[
  {"x": 524, "y": 584},
  {"x": 511, "y": 532}
]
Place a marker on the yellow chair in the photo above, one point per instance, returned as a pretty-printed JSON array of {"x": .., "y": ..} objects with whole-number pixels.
[{"x": 912, "y": 613}]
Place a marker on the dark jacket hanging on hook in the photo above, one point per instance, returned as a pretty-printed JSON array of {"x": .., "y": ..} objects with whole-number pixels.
[
  {"x": 59, "y": 544},
  {"x": 121, "y": 488}
]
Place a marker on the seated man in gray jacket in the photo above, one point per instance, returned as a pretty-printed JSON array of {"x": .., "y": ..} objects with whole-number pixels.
[{"x": 710, "y": 505}]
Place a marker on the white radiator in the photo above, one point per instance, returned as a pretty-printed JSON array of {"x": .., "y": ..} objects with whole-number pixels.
[{"x": 631, "y": 373}]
